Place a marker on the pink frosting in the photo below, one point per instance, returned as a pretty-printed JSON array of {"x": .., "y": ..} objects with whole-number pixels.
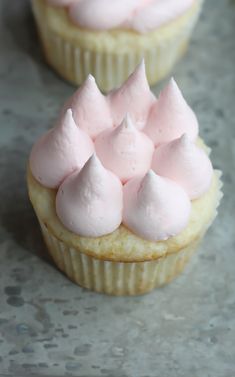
[
  {"x": 139, "y": 15},
  {"x": 90, "y": 198},
  {"x": 155, "y": 208},
  {"x": 124, "y": 150},
  {"x": 133, "y": 97},
  {"x": 171, "y": 117},
  {"x": 90, "y": 202},
  {"x": 157, "y": 13},
  {"x": 90, "y": 108},
  {"x": 182, "y": 161},
  {"x": 102, "y": 14},
  {"x": 59, "y": 152}
]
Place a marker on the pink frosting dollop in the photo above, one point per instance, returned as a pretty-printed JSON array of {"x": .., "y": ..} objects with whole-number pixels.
[
  {"x": 139, "y": 15},
  {"x": 90, "y": 108},
  {"x": 59, "y": 152},
  {"x": 185, "y": 163},
  {"x": 157, "y": 13},
  {"x": 155, "y": 208},
  {"x": 90, "y": 202},
  {"x": 124, "y": 150},
  {"x": 171, "y": 117},
  {"x": 133, "y": 97},
  {"x": 102, "y": 14}
]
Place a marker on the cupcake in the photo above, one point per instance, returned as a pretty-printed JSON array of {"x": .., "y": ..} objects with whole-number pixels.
[
  {"x": 109, "y": 38},
  {"x": 123, "y": 187}
]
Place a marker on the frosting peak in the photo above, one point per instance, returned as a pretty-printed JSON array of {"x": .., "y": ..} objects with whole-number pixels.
[
  {"x": 59, "y": 152},
  {"x": 126, "y": 127},
  {"x": 185, "y": 163},
  {"x": 90, "y": 108},
  {"x": 134, "y": 97},
  {"x": 90, "y": 202},
  {"x": 171, "y": 117},
  {"x": 155, "y": 208},
  {"x": 125, "y": 150}
]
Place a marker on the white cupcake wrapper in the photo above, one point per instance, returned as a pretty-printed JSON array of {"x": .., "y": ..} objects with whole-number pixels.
[
  {"x": 115, "y": 278},
  {"x": 111, "y": 69}
]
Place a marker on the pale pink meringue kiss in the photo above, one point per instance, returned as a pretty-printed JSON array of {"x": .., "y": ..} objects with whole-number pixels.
[
  {"x": 155, "y": 208},
  {"x": 133, "y": 97},
  {"x": 124, "y": 150},
  {"x": 171, "y": 117},
  {"x": 102, "y": 14},
  {"x": 90, "y": 202},
  {"x": 157, "y": 13},
  {"x": 185, "y": 163},
  {"x": 90, "y": 108},
  {"x": 59, "y": 152}
]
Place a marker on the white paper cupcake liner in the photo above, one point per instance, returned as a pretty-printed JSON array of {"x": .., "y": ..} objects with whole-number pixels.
[{"x": 115, "y": 278}]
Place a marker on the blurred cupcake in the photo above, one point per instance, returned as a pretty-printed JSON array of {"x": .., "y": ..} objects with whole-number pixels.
[
  {"x": 123, "y": 189},
  {"x": 109, "y": 38}
]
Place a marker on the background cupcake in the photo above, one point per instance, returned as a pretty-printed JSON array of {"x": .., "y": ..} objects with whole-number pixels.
[
  {"x": 123, "y": 205},
  {"x": 109, "y": 38}
]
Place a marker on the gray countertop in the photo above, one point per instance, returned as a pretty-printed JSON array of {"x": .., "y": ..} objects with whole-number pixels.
[{"x": 48, "y": 325}]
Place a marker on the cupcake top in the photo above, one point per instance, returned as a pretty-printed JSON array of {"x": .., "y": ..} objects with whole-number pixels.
[
  {"x": 139, "y": 15},
  {"x": 113, "y": 161}
]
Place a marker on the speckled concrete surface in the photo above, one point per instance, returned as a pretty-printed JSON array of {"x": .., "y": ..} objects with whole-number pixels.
[{"x": 49, "y": 326}]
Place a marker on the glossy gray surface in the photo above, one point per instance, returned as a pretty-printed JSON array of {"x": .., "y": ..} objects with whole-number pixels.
[{"x": 51, "y": 327}]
